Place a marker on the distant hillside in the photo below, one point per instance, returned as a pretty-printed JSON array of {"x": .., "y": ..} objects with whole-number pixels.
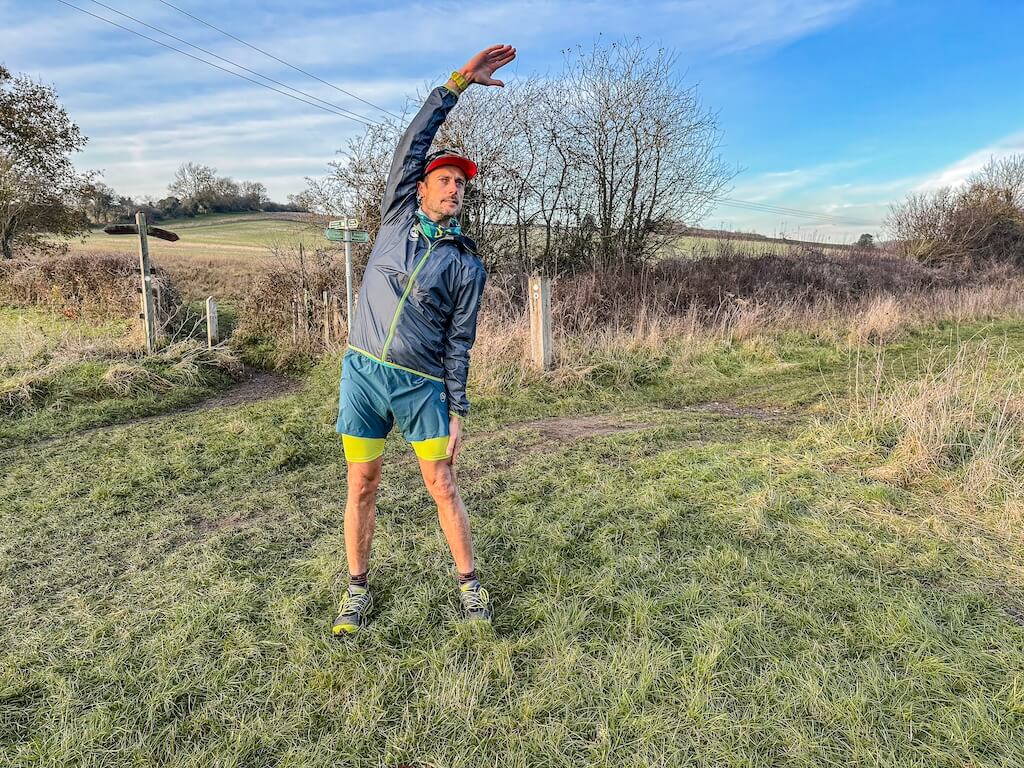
[{"x": 718, "y": 234}]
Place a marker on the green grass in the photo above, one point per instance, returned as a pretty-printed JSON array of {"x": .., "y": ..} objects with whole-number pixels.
[
  {"x": 56, "y": 376},
  {"x": 246, "y": 230},
  {"x": 714, "y": 590}
]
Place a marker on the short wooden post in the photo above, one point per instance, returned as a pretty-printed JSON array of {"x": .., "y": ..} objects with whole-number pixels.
[
  {"x": 327, "y": 319},
  {"x": 295, "y": 321},
  {"x": 148, "y": 319},
  {"x": 307, "y": 314},
  {"x": 336, "y": 310},
  {"x": 212, "y": 327},
  {"x": 541, "y": 347}
]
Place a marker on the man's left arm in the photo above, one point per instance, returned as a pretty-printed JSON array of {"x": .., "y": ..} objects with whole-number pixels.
[{"x": 461, "y": 334}]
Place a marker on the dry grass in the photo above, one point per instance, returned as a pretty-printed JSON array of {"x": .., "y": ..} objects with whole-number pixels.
[
  {"x": 956, "y": 426},
  {"x": 83, "y": 286},
  {"x": 643, "y": 337}
]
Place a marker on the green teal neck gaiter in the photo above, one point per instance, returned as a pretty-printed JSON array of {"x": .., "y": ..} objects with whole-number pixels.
[{"x": 433, "y": 230}]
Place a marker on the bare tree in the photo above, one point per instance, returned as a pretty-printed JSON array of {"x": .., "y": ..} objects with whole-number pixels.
[
  {"x": 642, "y": 144},
  {"x": 192, "y": 180},
  {"x": 592, "y": 166},
  {"x": 1004, "y": 173},
  {"x": 255, "y": 193},
  {"x": 355, "y": 185}
]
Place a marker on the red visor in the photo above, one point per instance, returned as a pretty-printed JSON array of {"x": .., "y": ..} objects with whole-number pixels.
[{"x": 464, "y": 164}]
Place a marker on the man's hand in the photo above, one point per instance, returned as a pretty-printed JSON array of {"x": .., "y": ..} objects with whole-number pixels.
[
  {"x": 480, "y": 68},
  {"x": 454, "y": 437}
]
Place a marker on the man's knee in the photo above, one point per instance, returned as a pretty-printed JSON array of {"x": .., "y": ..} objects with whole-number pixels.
[
  {"x": 363, "y": 481},
  {"x": 442, "y": 485}
]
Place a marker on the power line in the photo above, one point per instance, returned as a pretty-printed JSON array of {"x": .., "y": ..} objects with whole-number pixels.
[
  {"x": 795, "y": 212},
  {"x": 809, "y": 217},
  {"x": 279, "y": 60},
  {"x": 798, "y": 211},
  {"x": 342, "y": 112},
  {"x": 215, "y": 66},
  {"x": 354, "y": 115},
  {"x": 789, "y": 211}
]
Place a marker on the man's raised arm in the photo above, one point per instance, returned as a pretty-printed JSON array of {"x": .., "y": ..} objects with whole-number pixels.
[{"x": 410, "y": 156}]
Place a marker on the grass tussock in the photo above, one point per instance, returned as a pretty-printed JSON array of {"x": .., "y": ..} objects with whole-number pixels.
[{"x": 53, "y": 368}]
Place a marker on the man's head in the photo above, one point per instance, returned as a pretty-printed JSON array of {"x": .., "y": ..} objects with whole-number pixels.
[{"x": 444, "y": 184}]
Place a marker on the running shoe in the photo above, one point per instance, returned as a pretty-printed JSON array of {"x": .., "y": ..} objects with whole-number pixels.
[
  {"x": 353, "y": 611},
  {"x": 475, "y": 601}
]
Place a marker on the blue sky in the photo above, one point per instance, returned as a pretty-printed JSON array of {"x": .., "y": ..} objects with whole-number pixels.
[{"x": 837, "y": 106}]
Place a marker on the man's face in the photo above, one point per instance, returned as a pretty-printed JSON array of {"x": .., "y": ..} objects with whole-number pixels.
[{"x": 441, "y": 192}]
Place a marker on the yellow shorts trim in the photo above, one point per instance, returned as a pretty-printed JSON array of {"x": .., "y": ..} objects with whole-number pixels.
[
  {"x": 362, "y": 449},
  {"x": 434, "y": 449}
]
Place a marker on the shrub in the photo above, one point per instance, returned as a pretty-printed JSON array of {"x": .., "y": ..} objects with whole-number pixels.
[
  {"x": 83, "y": 285},
  {"x": 979, "y": 223}
]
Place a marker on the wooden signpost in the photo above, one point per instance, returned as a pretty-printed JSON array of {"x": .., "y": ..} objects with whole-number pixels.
[{"x": 148, "y": 314}]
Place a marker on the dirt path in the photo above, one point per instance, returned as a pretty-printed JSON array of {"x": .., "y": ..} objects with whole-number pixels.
[{"x": 257, "y": 385}]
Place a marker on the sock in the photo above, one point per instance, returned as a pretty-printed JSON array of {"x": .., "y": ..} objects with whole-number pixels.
[
  {"x": 465, "y": 578},
  {"x": 358, "y": 580}
]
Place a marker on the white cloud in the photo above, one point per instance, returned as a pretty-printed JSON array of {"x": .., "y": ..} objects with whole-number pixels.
[
  {"x": 147, "y": 109},
  {"x": 768, "y": 186},
  {"x": 958, "y": 172},
  {"x": 735, "y": 25}
]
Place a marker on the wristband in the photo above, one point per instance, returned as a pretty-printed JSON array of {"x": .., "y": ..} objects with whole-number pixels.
[{"x": 460, "y": 81}]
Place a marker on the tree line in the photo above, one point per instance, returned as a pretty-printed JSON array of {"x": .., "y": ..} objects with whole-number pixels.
[{"x": 196, "y": 189}]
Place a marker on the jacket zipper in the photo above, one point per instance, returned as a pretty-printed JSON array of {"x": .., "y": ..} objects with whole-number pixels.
[{"x": 405, "y": 295}]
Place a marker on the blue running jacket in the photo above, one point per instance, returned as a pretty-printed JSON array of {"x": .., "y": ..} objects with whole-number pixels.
[{"x": 419, "y": 300}]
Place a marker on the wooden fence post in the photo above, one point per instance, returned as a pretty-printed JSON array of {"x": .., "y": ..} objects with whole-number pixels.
[
  {"x": 541, "y": 347},
  {"x": 327, "y": 319},
  {"x": 336, "y": 310},
  {"x": 212, "y": 326}
]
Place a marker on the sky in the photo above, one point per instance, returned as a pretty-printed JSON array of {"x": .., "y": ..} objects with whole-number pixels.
[{"x": 835, "y": 107}]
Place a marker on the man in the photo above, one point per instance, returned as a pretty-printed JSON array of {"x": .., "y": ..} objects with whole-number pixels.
[{"x": 408, "y": 355}]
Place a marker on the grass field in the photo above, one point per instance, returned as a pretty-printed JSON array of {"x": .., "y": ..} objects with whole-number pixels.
[
  {"x": 741, "y": 555},
  {"x": 218, "y": 254}
]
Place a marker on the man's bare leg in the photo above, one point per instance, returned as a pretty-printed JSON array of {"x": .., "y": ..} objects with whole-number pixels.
[
  {"x": 361, "y": 512},
  {"x": 451, "y": 512}
]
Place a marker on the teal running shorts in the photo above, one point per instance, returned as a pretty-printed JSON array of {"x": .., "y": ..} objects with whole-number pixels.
[{"x": 374, "y": 395}]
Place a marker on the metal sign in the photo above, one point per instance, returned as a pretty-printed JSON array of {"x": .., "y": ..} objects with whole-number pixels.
[
  {"x": 343, "y": 224},
  {"x": 347, "y": 235},
  {"x": 344, "y": 231}
]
